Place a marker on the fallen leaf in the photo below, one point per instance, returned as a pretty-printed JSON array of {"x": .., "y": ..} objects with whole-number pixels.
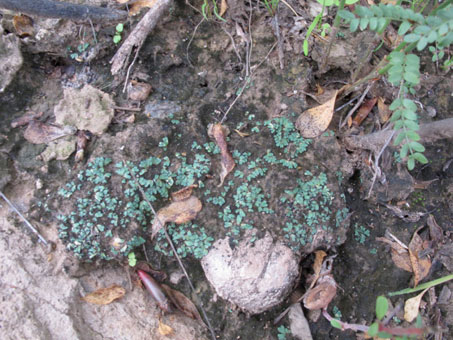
[
  {"x": 317, "y": 266},
  {"x": 420, "y": 266},
  {"x": 25, "y": 119},
  {"x": 182, "y": 302},
  {"x": 219, "y": 133},
  {"x": 183, "y": 194},
  {"x": 164, "y": 329},
  {"x": 383, "y": 110},
  {"x": 298, "y": 324},
  {"x": 223, "y": 7},
  {"x": 320, "y": 296},
  {"x": 364, "y": 111},
  {"x": 23, "y": 25},
  {"x": 319, "y": 90},
  {"x": 138, "y": 91},
  {"x": 412, "y": 306},
  {"x": 177, "y": 212},
  {"x": 399, "y": 253},
  {"x": 104, "y": 296},
  {"x": 315, "y": 121},
  {"x": 137, "y": 6},
  {"x": 40, "y": 133},
  {"x": 435, "y": 231}
]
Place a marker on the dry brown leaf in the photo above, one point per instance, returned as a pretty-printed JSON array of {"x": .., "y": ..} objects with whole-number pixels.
[
  {"x": 40, "y": 133},
  {"x": 223, "y": 7},
  {"x": 319, "y": 90},
  {"x": 104, "y": 296},
  {"x": 412, "y": 306},
  {"x": 122, "y": 1},
  {"x": 219, "y": 133},
  {"x": 182, "y": 302},
  {"x": 138, "y": 91},
  {"x": 364, "y": 111},
  {"x": 23, "y": 25},
  {"x": 400, "y": 254},
  {"x": 317, "y": 266},
  {"x": 383, "y": 110},
  {"x": 164, "y": 329},
  {"x": 26, "y": 119},
  {"x": 183, "y": 194},
  {"x": 177, "y": 212},
  {"x": 320, "y": 296},
  {"x": 435, "y": 231},
  {"x": 137, "y": 6},
  {"x": 420, "y": 266},
  {"x": 315, "y": 121}
]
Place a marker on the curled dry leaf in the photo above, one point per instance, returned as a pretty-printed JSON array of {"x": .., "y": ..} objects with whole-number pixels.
[
  {"x": 320, "y": 296},
  {"x": 315, "y": 121},
  {"x": 40, "y": 133},
  {"x": 364, "y": 111},
  {"x": 164, "y": 329},
  {"x": 317, "y": 266},
  {"x": 23, "y": 25},
  {"x": 182, "y": 302},
  {"x": 412, "y": 306},
  {"x": 219, "y": 133},
  {"x": 177, "y": 212},
  {"x": 104, "y": 296},
  {"x": 420, "y": 266},
  {"x": 82, "y": 141},
  {"x": 183, "y": 194},
  {"x": 383, "y": 111},
  {"x": 223, "y": 7},
  {"x": 137, "y": 6}
]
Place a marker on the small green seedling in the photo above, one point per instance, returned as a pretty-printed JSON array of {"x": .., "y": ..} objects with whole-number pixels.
[
  {"x": 118, "y": 30},
  {"x": 132, "y": 260},
  {"x": 282, "y": 332}
]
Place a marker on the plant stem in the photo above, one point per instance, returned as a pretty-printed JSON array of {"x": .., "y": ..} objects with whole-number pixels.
[{"x": 423, "y": 285}]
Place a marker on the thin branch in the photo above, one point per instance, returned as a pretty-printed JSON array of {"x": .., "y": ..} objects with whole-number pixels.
[
  {"x": 33, "y": 229},
  {"x": 190, "y": 41},
  {"x": 356, "y": 106},
  {"x": 162, "y": 226}
]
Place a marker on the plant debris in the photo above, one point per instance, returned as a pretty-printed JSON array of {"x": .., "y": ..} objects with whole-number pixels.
[
  {"x": 219, "y": 133},
  {"x": 105, "y": 296}
]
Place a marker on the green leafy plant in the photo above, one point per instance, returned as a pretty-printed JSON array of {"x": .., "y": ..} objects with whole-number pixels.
[
  {"x": 271, "y": 6},
  {"x": 209, "y": 7},
  {"x": 403, "y": 67},
  {"x": 118, "y": 31},
  {"x": 282, "y": 332},
  {"x": 317, "y": 19},
  {"x": 131, "y": 259}
]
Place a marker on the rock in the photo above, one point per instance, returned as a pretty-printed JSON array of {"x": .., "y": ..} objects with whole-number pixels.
[
  {"x": 10, "y": 58},
  {"x": 5, "y": 170},
  {"x": 161, "y": 109},
  {"x": 255, "y": 276},
  {"x": 87, "y": 109},
  {"x": 60, "y": 149}
]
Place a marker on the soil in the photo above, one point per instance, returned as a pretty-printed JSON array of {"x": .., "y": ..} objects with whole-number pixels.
[{"x": 196, "y": 74}]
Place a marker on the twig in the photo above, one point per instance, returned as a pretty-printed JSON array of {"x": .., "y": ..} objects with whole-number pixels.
[
  {"x": 292, "y": 9},
  {"x": 33, "y": 229},
  {"x": 377, "y": 170},
  {"x": 130, "y": 67},
  {"x": 346, "y": 104},
  {"x": 162, "y": 226},
  {"x": 138, "y": 35},
  {"x": 123, "y": 108},
  {"x": 233, "y": 43},
  {"x": 247, "y": 80},
  {"x": 356, "y": 106},
  {"x": 190, "y": 42}
]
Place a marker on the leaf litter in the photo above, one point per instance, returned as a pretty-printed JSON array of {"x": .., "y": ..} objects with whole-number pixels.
[
  {"x": 105, "y": 296},
  {"x": 219, "y": 132}
]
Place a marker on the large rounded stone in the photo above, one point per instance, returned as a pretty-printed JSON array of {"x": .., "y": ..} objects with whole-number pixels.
[{"x": 255, "y": 276}]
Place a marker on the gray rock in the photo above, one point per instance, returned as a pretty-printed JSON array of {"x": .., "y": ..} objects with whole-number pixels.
[
  {"x": 87, "y": 109},
  {"x": 10, "y": 58},
  {"x": 254, "y": 276}
]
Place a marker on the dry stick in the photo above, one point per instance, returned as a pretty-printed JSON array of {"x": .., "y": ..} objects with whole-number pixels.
[
  {"x": 33, "y": 229},
  {"x": 245, "y": 84},
  {"x": 356, "y": 106},
  {"x": 376, "y": 164},
  {"x": 162, "y": 226},
  {"x": 233, "y": 43},
  {"x": 124, "y": 108},
  {"x": 139, "y": 34},
  {"x": 130, "y": 67},
  {"x": 190, "y": 42},
  {"x": 431, "y": 132}
]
